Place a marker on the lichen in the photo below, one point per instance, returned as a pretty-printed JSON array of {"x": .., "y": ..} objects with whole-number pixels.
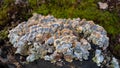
[{"x": 51, "y": 38}]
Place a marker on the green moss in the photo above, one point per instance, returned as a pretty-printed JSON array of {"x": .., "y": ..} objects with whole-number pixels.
[
  {"x": 3, "y": 16},
  {"x": 3, "y": 34},
  {"x": 42, "y": 10},
  {"x": 86, "y": 9},
  {"x": 8, "y": 9},
  {"x": 5, "y": 7},
  {"x": 117, "y": 47},
  {"x": 33, "y": 3}
]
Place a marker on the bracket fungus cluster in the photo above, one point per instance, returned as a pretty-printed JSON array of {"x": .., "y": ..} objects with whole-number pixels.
[{"x": 55, "y": 39}]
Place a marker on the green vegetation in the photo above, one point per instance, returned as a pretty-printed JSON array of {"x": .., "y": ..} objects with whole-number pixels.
[
  {"x": 3, "y": 34},
  {"x": 3, "y": 12},
  {"x": 117, "y": 47},
  {"x": 9, "y": 12},
  {"x": 85, "y": 9},
  {"x": 116, "y": 50}
]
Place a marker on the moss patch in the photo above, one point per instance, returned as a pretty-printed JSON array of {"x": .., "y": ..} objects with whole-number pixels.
[
  {"x": 3, "y": 34},
  {"x": 85, "y": 9}
]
